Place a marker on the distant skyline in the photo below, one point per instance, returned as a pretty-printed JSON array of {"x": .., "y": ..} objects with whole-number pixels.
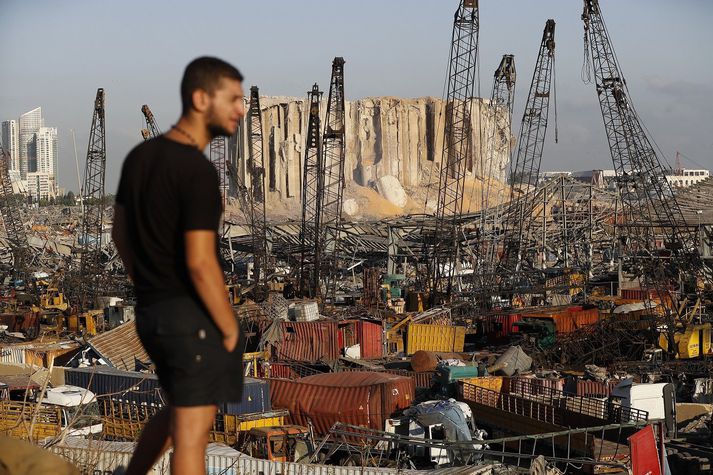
[{"x": 137, "y": 50}]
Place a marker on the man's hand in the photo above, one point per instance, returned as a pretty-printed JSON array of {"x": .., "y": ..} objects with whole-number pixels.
[
  {"x": 208, "y": 280},
  {"x": 231, "y": 341}
]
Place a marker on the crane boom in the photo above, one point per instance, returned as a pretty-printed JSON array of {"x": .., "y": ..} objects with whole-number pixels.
[
  {"x": 457, "y": 144},
  {"x": 151, "y": 130},
  {"x": 93, "y": 199},
  {"x": 525, "y": 169},
  {"x": 648, "y": 204},
  {"x": 257, "y": 195},
  {"x": 309, "y": 277},
  {"x": 332, "y": 175},
  {"x": 500, "y": 108},
  {"x": 11, "y": 217}
]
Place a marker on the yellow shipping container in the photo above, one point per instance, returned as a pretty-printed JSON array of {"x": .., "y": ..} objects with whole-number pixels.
[
  {"x": 426, "y": 337},
  {"x": 494, "y": 383}
]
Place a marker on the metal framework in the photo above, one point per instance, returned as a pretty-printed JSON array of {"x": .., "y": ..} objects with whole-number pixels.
[
  {"x": 457, "y": 145},
  {"x": 648, "y": 206},
  {"x": 309, "y": 277},
  {"x": 12, "y": 218},
  {"x": 331, "y": 177},
  {"x": 91, "y": 268},
  {"x": 501, "y": 107},
  {"x": 218, "y": 154},
  {"x": 525, "y": 169},
  {"x": 151, "y": 130},
  {"x": 257, "y": 195}
]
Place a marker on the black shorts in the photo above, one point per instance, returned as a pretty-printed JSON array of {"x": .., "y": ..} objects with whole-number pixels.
[{"x": 192, "y": 365}]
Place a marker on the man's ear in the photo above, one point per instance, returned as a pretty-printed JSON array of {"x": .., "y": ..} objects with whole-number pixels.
[{"x": 200, "y": 100}]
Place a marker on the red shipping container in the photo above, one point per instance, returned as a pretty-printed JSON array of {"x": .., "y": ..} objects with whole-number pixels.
[
  {"x": 309, "y": 342},
  {"x": 359, "y": 398},
  {"x": 368, "y": 334},
  {"x": 500, "y": 326}
]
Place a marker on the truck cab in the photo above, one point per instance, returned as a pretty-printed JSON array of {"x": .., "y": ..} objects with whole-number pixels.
[
  {"x": 288, "y": 443},
  {"x": 79, "y": 409}
]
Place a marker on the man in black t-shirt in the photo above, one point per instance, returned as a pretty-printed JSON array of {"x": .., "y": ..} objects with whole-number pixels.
[{"x": 166, "y": 219}]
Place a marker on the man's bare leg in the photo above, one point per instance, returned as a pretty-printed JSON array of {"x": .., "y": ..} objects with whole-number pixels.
[
  {"x": 154, "y": 441},
  {"x": 189, "y": 431}
]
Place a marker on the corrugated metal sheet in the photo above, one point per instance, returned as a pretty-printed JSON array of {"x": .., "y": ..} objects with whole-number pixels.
[
  {"x": 121, "y": 347},
  {"x": 587, "y": 388},
  {"x": 308, "y": 342},
  {"x": 429, "y": 337},
  {"x": 105, "y": 457},
  {"x": 359, "y": 398},
  {"x": 10, "y": 354}
]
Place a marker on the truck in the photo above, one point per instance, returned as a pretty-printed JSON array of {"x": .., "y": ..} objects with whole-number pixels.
[
  {"x": 439, "y": 421},
  {"x": 286, "y": 443},
  {"x": 64, "y": 409}
]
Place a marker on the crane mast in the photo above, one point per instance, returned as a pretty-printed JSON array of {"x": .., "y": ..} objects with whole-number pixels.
[
  {"x": 151, "y": 130},
  {"x": 525, "y": 169},
  {"x": 457, "y": 146},
  {"x": 11, "y": 217},
  {"x": 257, "y": 195},
  {"x": 309, "y": 277},
  {"x": 331, "y": 176},
  {"x": 648, "y": 203},
  {"x": 501, "y": 108},
  {"x": 93, "y": 199}
]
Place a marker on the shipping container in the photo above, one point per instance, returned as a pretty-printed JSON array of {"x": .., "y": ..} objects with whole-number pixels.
[
  {"x": 367, "y": 334},
  {"x": 494, "y": 383},
  {"x": 430, "y": 337},
  {"x": 359, "y": 398},
  {"x": 144, "y": 388},
  {"x": 567, "y": 321},
  {"x": 256, "y": 398},
  {"x": 128, "y": 386},
  {"x": 309, "y": 342},
  {"x": 500, "y": 327}
]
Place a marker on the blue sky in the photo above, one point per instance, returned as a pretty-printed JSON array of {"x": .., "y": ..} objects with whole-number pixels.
[{"x": 56, "y": 53}]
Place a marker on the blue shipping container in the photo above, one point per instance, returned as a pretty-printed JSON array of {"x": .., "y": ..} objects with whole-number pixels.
[
  {"x": 144, "y": 388},
  {"x": 256, "y": 398}
]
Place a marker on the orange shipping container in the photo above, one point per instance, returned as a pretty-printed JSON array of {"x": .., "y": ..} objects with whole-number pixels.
[{"x": 360, "y": 398}]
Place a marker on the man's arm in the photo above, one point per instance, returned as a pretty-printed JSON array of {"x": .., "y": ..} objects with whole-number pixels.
[
  {"x": 120, "y": 236},
  {"x": 208, "y": 280}
]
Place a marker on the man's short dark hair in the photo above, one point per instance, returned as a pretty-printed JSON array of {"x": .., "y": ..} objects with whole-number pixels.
[{"x": 205, "y": 73}]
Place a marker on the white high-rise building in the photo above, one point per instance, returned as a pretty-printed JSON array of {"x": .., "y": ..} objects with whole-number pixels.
[
  {"x": 10, "y": 141},
  {"x": 46, "y": 148},
  {"x": 39, "y": 186},
  {"x": 30, "y": 123}
]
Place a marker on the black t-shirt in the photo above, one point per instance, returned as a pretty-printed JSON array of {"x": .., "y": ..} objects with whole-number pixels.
[{"x": 166, "y": 188}]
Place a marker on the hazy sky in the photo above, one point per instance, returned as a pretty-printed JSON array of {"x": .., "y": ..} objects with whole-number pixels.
[{"x": 56, "y": 53}]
